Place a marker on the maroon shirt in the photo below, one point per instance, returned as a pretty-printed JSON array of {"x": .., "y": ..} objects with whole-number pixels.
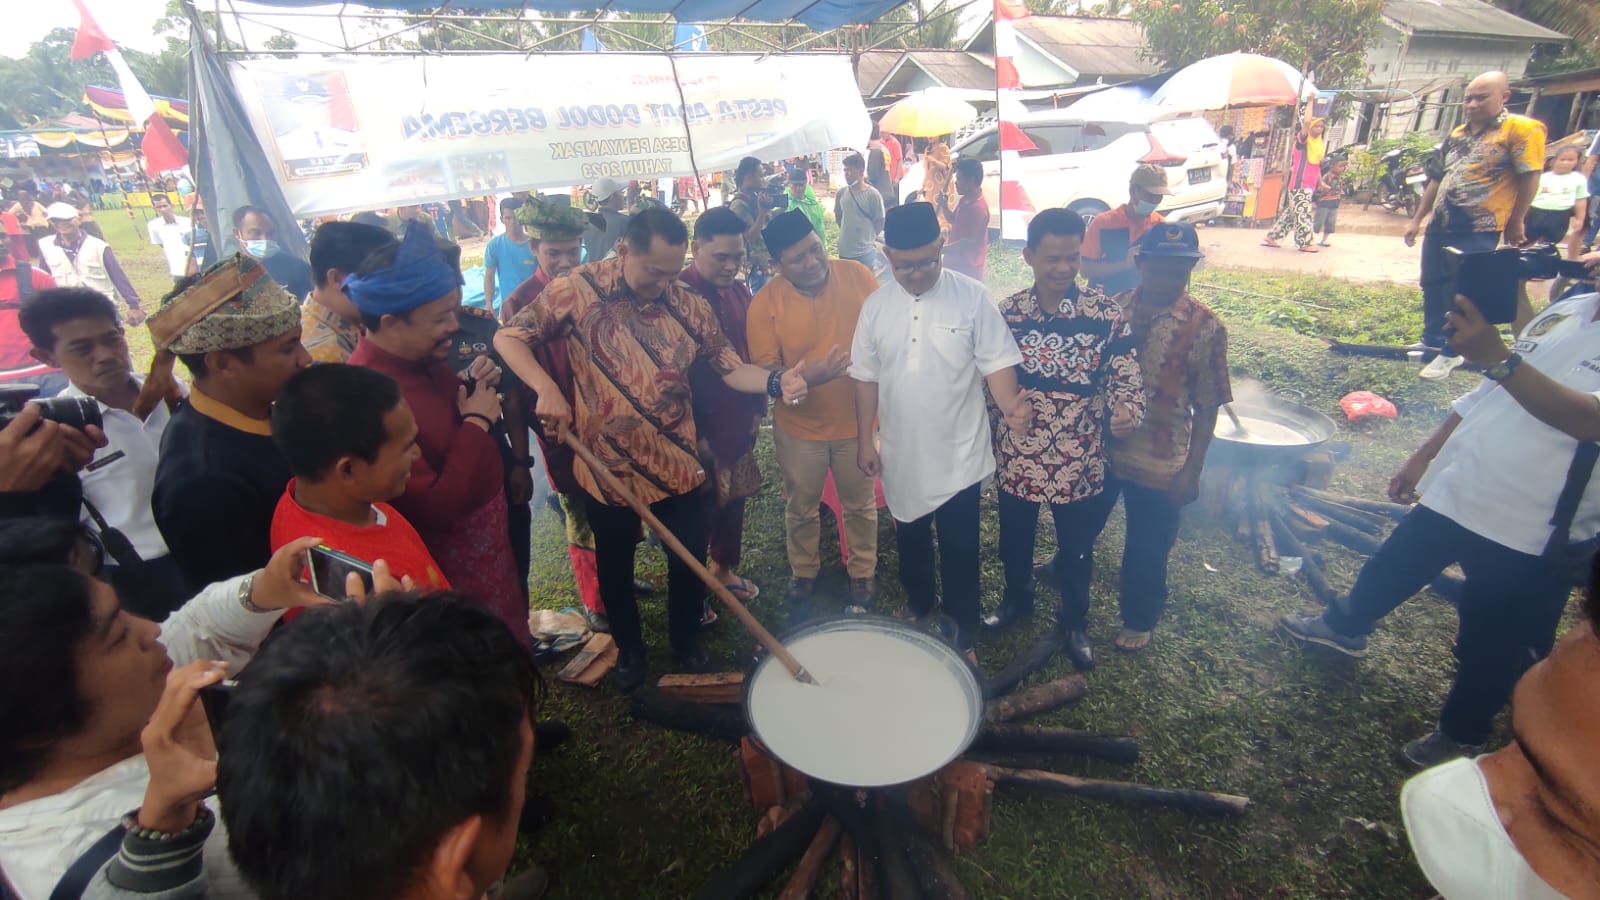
[
  {"x": 967, "y": 248},
  {"x": 723, "y": 417}
]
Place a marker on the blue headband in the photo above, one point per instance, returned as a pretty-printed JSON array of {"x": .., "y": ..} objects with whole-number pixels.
[{"x": 418, "y": 276}]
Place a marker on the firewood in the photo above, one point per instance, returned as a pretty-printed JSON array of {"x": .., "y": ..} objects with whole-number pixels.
[
  {"x": 1309, "y": 565},
  {"x": 1122, "y": 792},
  {"x": 767, "y": 781},
  {"x": 805, "y": 874},
  {"x": 894, "y": 868},
  {"x": 598, "y": 656},
  {"x": 849, "y": 880},
  {"x": 1261, "y": 530},
  {"x": 1355, "y": 539},
  {"x": 1396, "y": 511},
  {"x": 1042, "y": 698},
  {"x": 721, "y": 722},
  {"x": 1299, "y": 515},
  {"x": 765, "y": 858},
  {"x": 720, "y": 687},
  {"x": 1371, "y": 523},
  {"x": 1318, "y": 469},
  {"x": 934, "y": 875},
  {"x": 996, "y": 738},
  {"x": 1031, "y": 660}
]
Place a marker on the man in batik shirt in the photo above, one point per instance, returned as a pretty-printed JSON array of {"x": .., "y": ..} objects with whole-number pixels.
[{"x": 1078, "y": 362}]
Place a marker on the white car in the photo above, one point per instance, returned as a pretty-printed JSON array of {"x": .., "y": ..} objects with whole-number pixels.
[{"x": 1084, "y": 165}]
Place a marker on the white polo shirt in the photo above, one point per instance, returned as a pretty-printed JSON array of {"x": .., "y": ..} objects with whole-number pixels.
[
  {"x": 174, "y": 242},
  {"x": 122, "y": 475},
  {"x": 1500, "y": 473},
  {"x": 929, "y": 355}
]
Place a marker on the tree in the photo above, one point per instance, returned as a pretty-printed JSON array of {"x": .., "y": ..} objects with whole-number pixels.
[
  {"x": 1578, "y": 19},
  {"x": 1329, "y": 37},
  {"x": 46, "y": 82}
]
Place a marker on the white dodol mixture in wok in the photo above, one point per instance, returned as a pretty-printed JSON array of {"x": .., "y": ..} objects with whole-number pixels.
[{"x": 884, "y": 710}]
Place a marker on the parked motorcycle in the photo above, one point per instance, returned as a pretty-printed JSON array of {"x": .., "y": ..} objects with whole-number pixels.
[{"x": 1400, "y": 181}]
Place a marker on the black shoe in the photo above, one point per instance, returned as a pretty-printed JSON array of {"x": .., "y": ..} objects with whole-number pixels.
[
  {"x": 863, "y": 593},
  {"x": 550, "y": 734},
  {"x": 1075, "y": 643},
  {"x": 800, "y": 589},
  {"x": 537, "y": 811},
  {"x": 597, "y": 621},
  {"x": 1005, "y": 616},
  {"x": 643, "y": 588},
  {"x": 1437, "y": 747},
  {"x": 630, "y": 671},
  {"x": 697, "y": 662}
]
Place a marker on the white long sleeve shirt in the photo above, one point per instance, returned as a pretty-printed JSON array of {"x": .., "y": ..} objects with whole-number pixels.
[{"x": 40, "y": 839}]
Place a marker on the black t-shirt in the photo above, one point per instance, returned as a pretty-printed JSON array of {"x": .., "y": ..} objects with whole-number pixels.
[{"x": 216, "y": 490}]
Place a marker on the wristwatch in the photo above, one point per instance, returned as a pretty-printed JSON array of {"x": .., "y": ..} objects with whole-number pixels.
[
  {"x": 244, "y": 594},
  {"x": 1502, "y": 370}
]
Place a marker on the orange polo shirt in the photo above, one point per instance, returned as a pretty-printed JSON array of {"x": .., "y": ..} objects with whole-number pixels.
[{"x": 785, "y": 326}]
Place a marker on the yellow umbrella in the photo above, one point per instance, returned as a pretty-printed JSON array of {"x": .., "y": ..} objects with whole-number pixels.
[{"x": 927, "y": 113}]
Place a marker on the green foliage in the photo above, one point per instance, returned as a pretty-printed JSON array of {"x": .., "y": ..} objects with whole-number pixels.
[
  {"x": 1364, "y": 168},
  {"x": 1328, "y": 36},
  {"x": 1578, "y": 19}
]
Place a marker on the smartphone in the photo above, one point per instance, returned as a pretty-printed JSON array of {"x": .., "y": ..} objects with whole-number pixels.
[
  {"x": 1489, "y": 278},
  {"x": 214, "y": 699},
  {"x": 329, "y": 569}
]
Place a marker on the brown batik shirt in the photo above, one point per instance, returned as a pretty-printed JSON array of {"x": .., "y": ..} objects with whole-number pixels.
[
  {"x": 630, "y": 370},
  {"x": 1183, "y": 356}
]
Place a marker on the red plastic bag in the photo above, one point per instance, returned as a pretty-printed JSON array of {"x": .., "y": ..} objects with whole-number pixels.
[{"x": 1357, "y": 404}]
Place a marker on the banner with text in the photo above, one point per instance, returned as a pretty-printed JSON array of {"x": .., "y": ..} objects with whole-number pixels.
[{"x": 351, "y": 133}]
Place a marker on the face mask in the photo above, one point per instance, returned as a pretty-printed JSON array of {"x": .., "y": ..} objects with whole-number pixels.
[
  {"x": 1143, "y": 208},
  {"x": 261, "y": 249}
]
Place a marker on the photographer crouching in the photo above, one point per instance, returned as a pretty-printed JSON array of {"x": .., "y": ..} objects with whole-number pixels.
[{"x": 1502, "y": 488}]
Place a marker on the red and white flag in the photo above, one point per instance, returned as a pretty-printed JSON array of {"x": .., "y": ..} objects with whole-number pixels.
[
  {"x": 1015, "y": 207},
  {"x": 162, "y": 149}
]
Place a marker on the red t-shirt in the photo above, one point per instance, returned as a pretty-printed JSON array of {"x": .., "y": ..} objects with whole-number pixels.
[
  {"x": 392, "y": 539},
  {"x": 16, "y": 363}
]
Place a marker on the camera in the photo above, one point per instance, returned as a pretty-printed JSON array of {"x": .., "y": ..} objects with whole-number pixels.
[
  {"x": 76, "y": 412},
  {"x": 1492, "y": 279}
]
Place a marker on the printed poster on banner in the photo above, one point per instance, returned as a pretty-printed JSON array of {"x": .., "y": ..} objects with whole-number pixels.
[{"x": 351, "y": 133}]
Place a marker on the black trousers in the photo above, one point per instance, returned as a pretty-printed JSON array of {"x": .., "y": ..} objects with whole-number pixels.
[
  {"x": 616, "y": 536},
  {"x": 1077, "y": 525},
  {"x": 957, "y": 523},
  {"x": 1152, "y": 529},
  {"x": 519, "y": 524},
  {"x": 1508, "y": 613}
]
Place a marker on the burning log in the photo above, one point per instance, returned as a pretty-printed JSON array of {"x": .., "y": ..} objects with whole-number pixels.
[
  {"x": 1042, "y": 698},
  {"x": 894, "y": 867},
  {"x": 849, "y": 876},
  {"x": 1356, "y": 540},
  {"x": 722, "y": 722},
  {"x": 1122, "y": 792},
  {"x": 1396, "y": 511},
  {"x": 1371, "y": 523},
  {"x": 1032, "y": 660},
  {"x": 1266, "y": 550},
  {"x": 1305, "y": 521},
  {"x": 1309, "y": 567},
  {"x": 934, "y": 876},
  {"x": 765, "y": 858},
  {"x": 810, "y": 867},
  {"x": 996, "y": 738}
]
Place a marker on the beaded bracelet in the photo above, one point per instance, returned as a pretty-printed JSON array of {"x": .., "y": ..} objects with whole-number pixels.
[{"x": 202, "y": 819}]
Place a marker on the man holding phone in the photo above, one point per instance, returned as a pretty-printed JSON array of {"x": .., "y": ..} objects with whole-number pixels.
[
  {"x": 1504, "y": 488},
  {"x": 351, "y": 442}
]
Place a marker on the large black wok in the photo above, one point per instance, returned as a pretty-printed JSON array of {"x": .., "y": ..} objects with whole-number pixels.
[{"x": 1270, "y": 428}]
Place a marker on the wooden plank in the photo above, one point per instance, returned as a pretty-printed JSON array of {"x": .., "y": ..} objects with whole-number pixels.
[
  {"x": 805, "y": 874},
  {"x": 718, "y": 687},
  {"x": 1042, "y": 698},
  {"x": 597, "y": 657}
]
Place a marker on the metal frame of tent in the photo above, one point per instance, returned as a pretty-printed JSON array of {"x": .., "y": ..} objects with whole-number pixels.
[{"x": 786, "y": 36}]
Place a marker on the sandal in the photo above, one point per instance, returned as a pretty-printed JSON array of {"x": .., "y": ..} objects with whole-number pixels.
[
  {"x": 1130, "y": 641},
  {"x": 743, "y": 588},
  {"x": 708, "y": 616},
  {"x": 1269, "y": 242},
  {"x": 1308, "y": 249}
]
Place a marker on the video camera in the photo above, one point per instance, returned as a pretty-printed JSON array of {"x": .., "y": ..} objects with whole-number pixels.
[
  {"x": 1492, "y": 279},
  {"x": 76, "y": 412}
]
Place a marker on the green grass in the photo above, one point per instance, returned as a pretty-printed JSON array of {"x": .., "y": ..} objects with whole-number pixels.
[{"x": 1219, "y": 701}]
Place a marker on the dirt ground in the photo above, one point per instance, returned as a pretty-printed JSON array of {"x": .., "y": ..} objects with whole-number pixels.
[{"x": 1366, "y": 246}]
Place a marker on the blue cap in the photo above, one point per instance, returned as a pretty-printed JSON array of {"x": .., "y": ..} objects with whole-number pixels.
[{"x": 1176, "y": 240}]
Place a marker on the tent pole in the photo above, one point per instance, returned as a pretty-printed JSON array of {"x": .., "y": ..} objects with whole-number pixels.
[{"x": 688, "y": 136}]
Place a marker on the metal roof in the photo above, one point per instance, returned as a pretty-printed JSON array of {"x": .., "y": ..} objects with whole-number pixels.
[
  {"x": 872, "y": 66},
  {"x": 1092, "y": 45},
  {"x": 1464, "y": 17},
  {"x": 951, "y": 68}
]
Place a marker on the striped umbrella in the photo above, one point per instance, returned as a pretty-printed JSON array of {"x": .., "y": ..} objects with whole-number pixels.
[{"x": 1235, "y": 80}]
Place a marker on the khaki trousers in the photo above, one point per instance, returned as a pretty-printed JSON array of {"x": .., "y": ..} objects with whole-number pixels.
[{"x": 804, "y": 465}]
